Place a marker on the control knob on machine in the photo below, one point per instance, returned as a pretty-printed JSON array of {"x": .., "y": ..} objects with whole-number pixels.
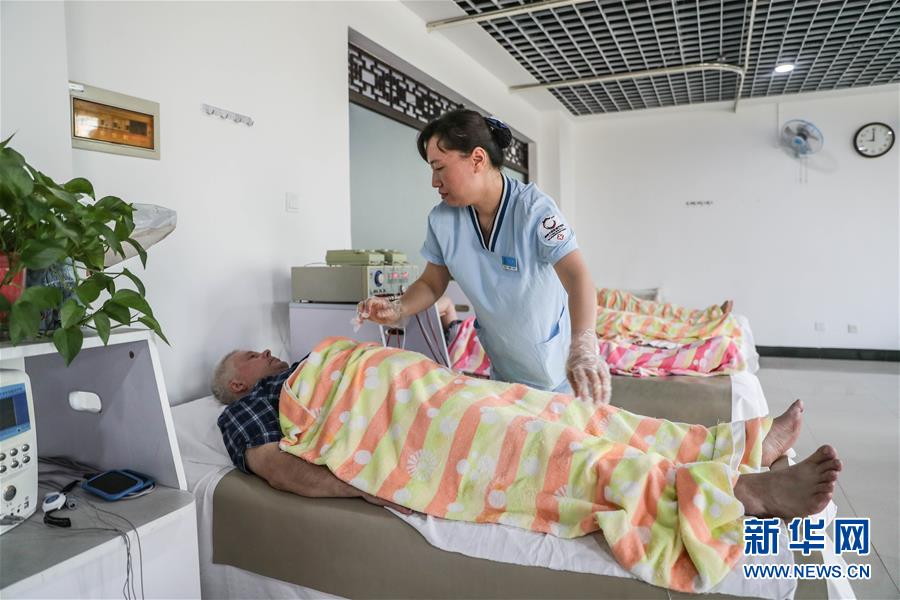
[
  {"x": 379, "y": 278},
  {"x": 9, "y": 493}
]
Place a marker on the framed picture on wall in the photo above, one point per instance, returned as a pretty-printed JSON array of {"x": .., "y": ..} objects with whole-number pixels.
[{"x": 107, "y": 121}]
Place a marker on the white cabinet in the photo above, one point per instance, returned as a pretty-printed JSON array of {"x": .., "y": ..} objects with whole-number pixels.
[{"x": 133, "y": 430}]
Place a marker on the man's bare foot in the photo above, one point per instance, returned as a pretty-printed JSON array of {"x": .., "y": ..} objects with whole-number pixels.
[
  {"x": 727, "y": 306},
  {"x": 797, "y": 491},
  {"x": 784, "y": 432}
]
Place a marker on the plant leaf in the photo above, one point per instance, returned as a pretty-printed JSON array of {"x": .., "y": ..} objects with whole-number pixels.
[
  {"x": 114, "y": 205},
  {"x": 154, "y": 325},
  {"x": 64, "y": 229},
  {"x": 13, "y": 175},
  {"x": 35, "y": 208},
  {"x": 137, "y": 282},
  {"x": 140, "y": 250},
  {"x": 93, "y": 257},
  {"x": 79, "y": 185},
  {"x": 89, "y": 289},
  {"x": 102, "y": 323},
  {"x": 61, "y": 201},
  {"x": 4, "y": 303},
  {"x": 6, "y": 141},
  {"x": 117, "y": 312},
  {"x": 132, "y": 299},
  {"x": 67, "y": 197},
  {"x": 123, "y": 229},
  {"x": 112, "y": 239},
  {"x": 40, "y": 254},
  {"x": 71, "y": 313},
  {"x": 68, "y": 341},
  {"x": 24, "y": 321},
  {"x": 42, "y": 297},
  {"x": 40, "y": 177}
]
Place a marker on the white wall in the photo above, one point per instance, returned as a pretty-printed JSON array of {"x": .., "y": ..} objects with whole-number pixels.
[
  {"x": 390, "y": 212},
  {"x": 221, "y": 280},
  {"x": 387, "y": 212},
  {"x": 34, "y": 99},
  {"x": 789, "y": 253}
]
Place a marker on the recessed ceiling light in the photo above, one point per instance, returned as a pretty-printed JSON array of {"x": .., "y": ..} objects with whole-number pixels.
[{"x": 785, "y": 68}]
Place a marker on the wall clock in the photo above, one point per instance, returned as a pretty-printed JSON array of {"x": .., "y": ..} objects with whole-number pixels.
[{"x": 873, "y": 140}]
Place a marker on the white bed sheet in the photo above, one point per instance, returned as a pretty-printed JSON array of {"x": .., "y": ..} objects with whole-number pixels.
[
  {"x": 206, "y": 462},
  {"x": 748, "y": 344},
  {"x": 747, "y": 398}
]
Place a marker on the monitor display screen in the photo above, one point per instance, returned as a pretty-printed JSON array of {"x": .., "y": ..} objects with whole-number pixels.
[
  {"x": 13, "y": 410},
  {"x": 7, "y": 413}
]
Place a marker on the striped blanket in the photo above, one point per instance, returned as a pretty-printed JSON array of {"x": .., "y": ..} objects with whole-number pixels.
[
  {"x": 719, "y": 355},
  {"x": 617, "y": 323},
  {"x": 467, "y": 355},
  {"x": 643, "y": 338},
  {"x": 397, "y": 425},
  {"x": 623, "y": 301}
]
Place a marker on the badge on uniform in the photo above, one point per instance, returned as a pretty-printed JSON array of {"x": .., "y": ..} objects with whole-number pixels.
[
  {"x": 510, "y": 263},
  {"x": 553, "y": 230}
]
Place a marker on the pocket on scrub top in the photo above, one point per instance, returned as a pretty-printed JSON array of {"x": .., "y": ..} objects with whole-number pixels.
[
  {"x": 551, "y": 355},
  {"x": 556, "y": 329}
]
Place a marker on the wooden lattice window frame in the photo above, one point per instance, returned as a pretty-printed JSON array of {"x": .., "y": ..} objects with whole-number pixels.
[{"x": 378, "y": 86}]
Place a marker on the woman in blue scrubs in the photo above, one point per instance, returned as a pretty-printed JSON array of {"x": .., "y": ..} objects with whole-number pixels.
[{"x": 515, "y": 257}]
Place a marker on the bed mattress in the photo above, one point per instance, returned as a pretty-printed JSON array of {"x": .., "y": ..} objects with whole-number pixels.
[
  {"x": 353, "y": 549},
  {"x": 701, "y": 400}
]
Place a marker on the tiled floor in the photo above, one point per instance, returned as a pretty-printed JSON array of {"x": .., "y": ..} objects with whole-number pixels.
[{"x": 855, "y": 407}]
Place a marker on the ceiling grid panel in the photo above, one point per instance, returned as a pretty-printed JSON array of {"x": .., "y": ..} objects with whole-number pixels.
[
  {"x": 834, "y": 44},
  {"x": 877, "y": 54},
  {"x": 608, "y": 68},
  {"x": 847, "y": 38}
]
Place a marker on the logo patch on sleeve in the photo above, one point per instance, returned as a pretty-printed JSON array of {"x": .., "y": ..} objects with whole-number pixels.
[{"x": 553, "y": 230}]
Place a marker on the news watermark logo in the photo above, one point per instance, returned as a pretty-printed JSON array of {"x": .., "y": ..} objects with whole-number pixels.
[{"x": 851, "y": 536}]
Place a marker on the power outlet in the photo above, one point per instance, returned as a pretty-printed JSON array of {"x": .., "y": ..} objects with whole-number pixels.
[
  {"x": 819, "y": 326},
  {"x": 851, "y": 328},
  {"x": 291, "y": 202}
]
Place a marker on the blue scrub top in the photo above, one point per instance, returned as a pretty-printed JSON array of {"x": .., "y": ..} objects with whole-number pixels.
[{"x": 520, "y": 305}]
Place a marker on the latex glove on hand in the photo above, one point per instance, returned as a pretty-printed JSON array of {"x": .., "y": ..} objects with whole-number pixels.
[
  {"x": 381, "y": 310},
  {"x": 587, "y": 372}
]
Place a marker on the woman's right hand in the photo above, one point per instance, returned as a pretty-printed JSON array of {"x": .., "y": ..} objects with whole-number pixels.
[{"x": 380, "y": 310}]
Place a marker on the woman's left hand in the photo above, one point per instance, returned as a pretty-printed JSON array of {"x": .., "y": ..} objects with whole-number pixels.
[{"x": 587, "y": 372}]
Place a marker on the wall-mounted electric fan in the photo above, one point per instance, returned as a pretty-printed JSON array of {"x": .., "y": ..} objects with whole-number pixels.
[{"x": 801, "y": 137}]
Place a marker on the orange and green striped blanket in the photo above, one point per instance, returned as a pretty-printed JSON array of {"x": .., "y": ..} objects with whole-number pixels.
[
  {"x": 644, "y": 338},
  {"x": 394, "y": 424}
]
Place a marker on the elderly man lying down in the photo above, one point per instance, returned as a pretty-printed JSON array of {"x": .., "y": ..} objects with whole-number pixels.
[{"x": 394, "y": 427}]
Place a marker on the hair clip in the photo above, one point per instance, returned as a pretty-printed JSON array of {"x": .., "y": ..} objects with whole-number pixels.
[{"x": 495, "y": 122}]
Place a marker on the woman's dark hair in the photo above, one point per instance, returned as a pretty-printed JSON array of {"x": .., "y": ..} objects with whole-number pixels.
[{"x": 464, "y": 130}]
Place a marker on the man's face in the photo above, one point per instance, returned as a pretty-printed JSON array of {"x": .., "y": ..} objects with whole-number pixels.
[{"x": 250, "y": 366}]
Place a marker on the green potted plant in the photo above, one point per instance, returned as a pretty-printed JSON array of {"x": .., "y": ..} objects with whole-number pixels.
[{"x": 44, "y": 224}]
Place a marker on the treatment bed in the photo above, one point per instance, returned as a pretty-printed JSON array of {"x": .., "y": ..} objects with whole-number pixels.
[{"x": 349, "y": 548}]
